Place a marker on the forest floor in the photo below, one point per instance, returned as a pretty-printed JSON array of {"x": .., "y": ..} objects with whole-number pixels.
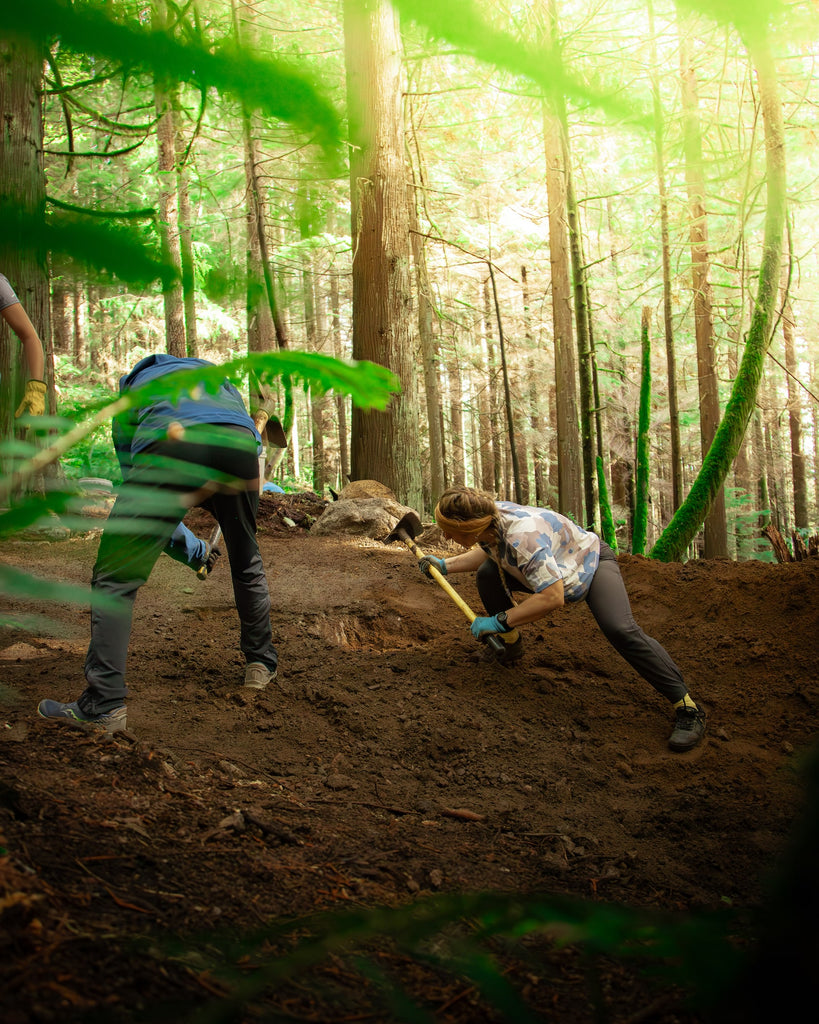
[{"x": 389, "y": 766}]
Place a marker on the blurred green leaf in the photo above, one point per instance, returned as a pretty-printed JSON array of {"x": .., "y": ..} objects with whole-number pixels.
[{"x": 267, "y": 85}]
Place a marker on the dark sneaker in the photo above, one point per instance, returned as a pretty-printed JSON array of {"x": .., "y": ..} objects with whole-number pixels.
[
  {"x": 689, "y": 729},
  {"x": 257, "y": 675},
  {"x": 70, "y": 714}
]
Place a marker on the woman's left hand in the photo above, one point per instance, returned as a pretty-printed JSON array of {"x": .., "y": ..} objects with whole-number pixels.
[{"x": 485, "y": 624}]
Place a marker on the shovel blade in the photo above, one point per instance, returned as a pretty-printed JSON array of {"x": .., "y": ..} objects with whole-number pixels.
[{"x": 409, "y": 526}]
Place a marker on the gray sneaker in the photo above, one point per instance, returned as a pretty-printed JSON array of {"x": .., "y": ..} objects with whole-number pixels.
[
  {"x": 689, "y": 729},
  {"x": 257, "y": 675},
  {"x": 70, "y": 714}
]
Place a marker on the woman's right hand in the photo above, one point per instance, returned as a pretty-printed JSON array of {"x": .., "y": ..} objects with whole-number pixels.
[{"x": 430, "y": 560}]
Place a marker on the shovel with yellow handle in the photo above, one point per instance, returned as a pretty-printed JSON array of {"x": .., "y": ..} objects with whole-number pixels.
[{"x": 406, "y": 530}]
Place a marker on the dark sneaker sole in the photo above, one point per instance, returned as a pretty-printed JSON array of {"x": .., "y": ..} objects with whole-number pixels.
[{"x": 108, "y": 728}]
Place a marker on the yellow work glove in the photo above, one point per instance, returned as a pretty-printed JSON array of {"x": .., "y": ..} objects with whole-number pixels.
[{"x": 34, "y": 399}]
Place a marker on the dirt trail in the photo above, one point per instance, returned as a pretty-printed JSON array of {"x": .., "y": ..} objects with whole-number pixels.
[{"x": 335, "y": 788}]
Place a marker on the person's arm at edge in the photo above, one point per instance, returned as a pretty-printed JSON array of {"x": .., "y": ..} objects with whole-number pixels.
[{"x": 17, "y": 319}]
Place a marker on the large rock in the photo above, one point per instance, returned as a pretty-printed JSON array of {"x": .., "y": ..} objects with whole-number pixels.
[
  {"x": 359, "y": 489},
  {"x": 362, "y": 517}
]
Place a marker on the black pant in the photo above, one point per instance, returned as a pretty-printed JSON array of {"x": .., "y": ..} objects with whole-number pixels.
[
  {"x": 609, "y": 604},
  {"x": 148, "y": 508}
]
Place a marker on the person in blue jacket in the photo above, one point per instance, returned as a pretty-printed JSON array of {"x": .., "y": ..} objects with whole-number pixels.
[{"x": 193, "y": 447}]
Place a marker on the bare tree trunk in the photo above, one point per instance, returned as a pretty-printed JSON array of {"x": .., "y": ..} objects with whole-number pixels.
[
  {"x": 79, "y": 349},
  {"x": 760, "y": 469},
  {"x": 456, "y": 428},
  {"x": 716, "y": 532},
  {"x": 569, "y": 458},
  {"x": 536, "y": 401},
  {"x": 316, "y": 322},
  {"x": 800, "y": 483},
  {"x": 507, "y": 394},
  {"x": 585, "y": 351},
  {"x": 61, "y": 325},
  {"x": 165, "y": 98},
  {"x": 341, "y": 400},
  {"x": 670, "y": 353},
  {"x": 488, "y": 463},
  {"x": 430, "y": 356},
  {"x": 384, "y": 444},
  {"x": 186, "y": 245},
  {"x": 22, "y": 195},
  {"x": 815, "y": 408}
]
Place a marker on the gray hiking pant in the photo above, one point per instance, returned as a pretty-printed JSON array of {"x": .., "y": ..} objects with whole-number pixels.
[
  {"x": 148, "y": 509},
  {"x": 609, "y": 604}
]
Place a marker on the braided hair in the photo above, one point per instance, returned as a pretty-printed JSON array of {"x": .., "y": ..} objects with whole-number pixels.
[{"x": 466, "y": 510}]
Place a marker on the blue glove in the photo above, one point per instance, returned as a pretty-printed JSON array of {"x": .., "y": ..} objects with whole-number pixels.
[
  {"x": 484, "y": 624},
  {"x": 429, "y": 560}
]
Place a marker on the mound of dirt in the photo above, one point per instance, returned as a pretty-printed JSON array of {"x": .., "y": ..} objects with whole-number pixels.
[{"x": 389, "y": 763}]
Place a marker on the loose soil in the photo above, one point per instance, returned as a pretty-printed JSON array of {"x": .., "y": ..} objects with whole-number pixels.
[{"x": 390, "y": 763}]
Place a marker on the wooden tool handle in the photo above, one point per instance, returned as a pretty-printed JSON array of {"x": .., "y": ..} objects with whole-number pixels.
[{"x": 494, "y": 641}]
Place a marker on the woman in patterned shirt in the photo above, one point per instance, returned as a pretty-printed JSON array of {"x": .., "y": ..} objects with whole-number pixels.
[{"x": 553, "y": 561}]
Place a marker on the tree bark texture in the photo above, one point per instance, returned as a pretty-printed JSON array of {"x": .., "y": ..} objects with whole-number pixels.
[
  {"x": 430, "y": 357},
  {"x": 665, "y": 245},
  {"x": 535, "y": 401},
  {"x": 385, "y": 445},
  {"x": 638, "y": 541},
  {"x": 22, "y": 192},
  {"x": 800, "y": 483},
  {"x": 582, "y": 314},
  {"x": 716, "y": 531},
  {"x": 569, "y": 457},
  {"x": 691, "y": 514},
  {"x": 166, "y": 99}
]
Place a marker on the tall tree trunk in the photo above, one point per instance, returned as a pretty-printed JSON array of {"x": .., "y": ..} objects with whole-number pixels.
[
  {"x": 716, "y": 532},
  {"x": 384, "y": 444},
  {"x": 430, "y": 356},
  {"x": 456, "y": 421},
  {"x": 507, "y": 393},
  {"x": 22, "y": 194},
  {"x": 569, "y": 458},
  {"x": 638, "y": 541},
  {"x": 815, "y": 409},
  {"x": 266, "y": 327},
  {"x": 166, "y": 100},
  {"x": 60, "y": 321},
  {"x": 582, "y": 313},
  {"x": 485, "y": 449},
  {"x": 493, "y": 447},
  {"x": 186, "y": 244},
  {"x": 316, "y": 321},
  {"x": 535, "y": 399},
  {"x": 691, "y": 514},
  {"x": 79, "y": 347},
  {"x": 341, "y": 400},
  {"x": 800, "y": 483},
  {"x": 668, "y": 329}
]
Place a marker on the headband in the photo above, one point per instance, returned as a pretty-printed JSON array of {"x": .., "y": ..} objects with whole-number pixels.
[{"x": 468, "y": 526}]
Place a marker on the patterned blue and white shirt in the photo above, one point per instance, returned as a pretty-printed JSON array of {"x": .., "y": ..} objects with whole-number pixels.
[{"x": 540, "y": 547}]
